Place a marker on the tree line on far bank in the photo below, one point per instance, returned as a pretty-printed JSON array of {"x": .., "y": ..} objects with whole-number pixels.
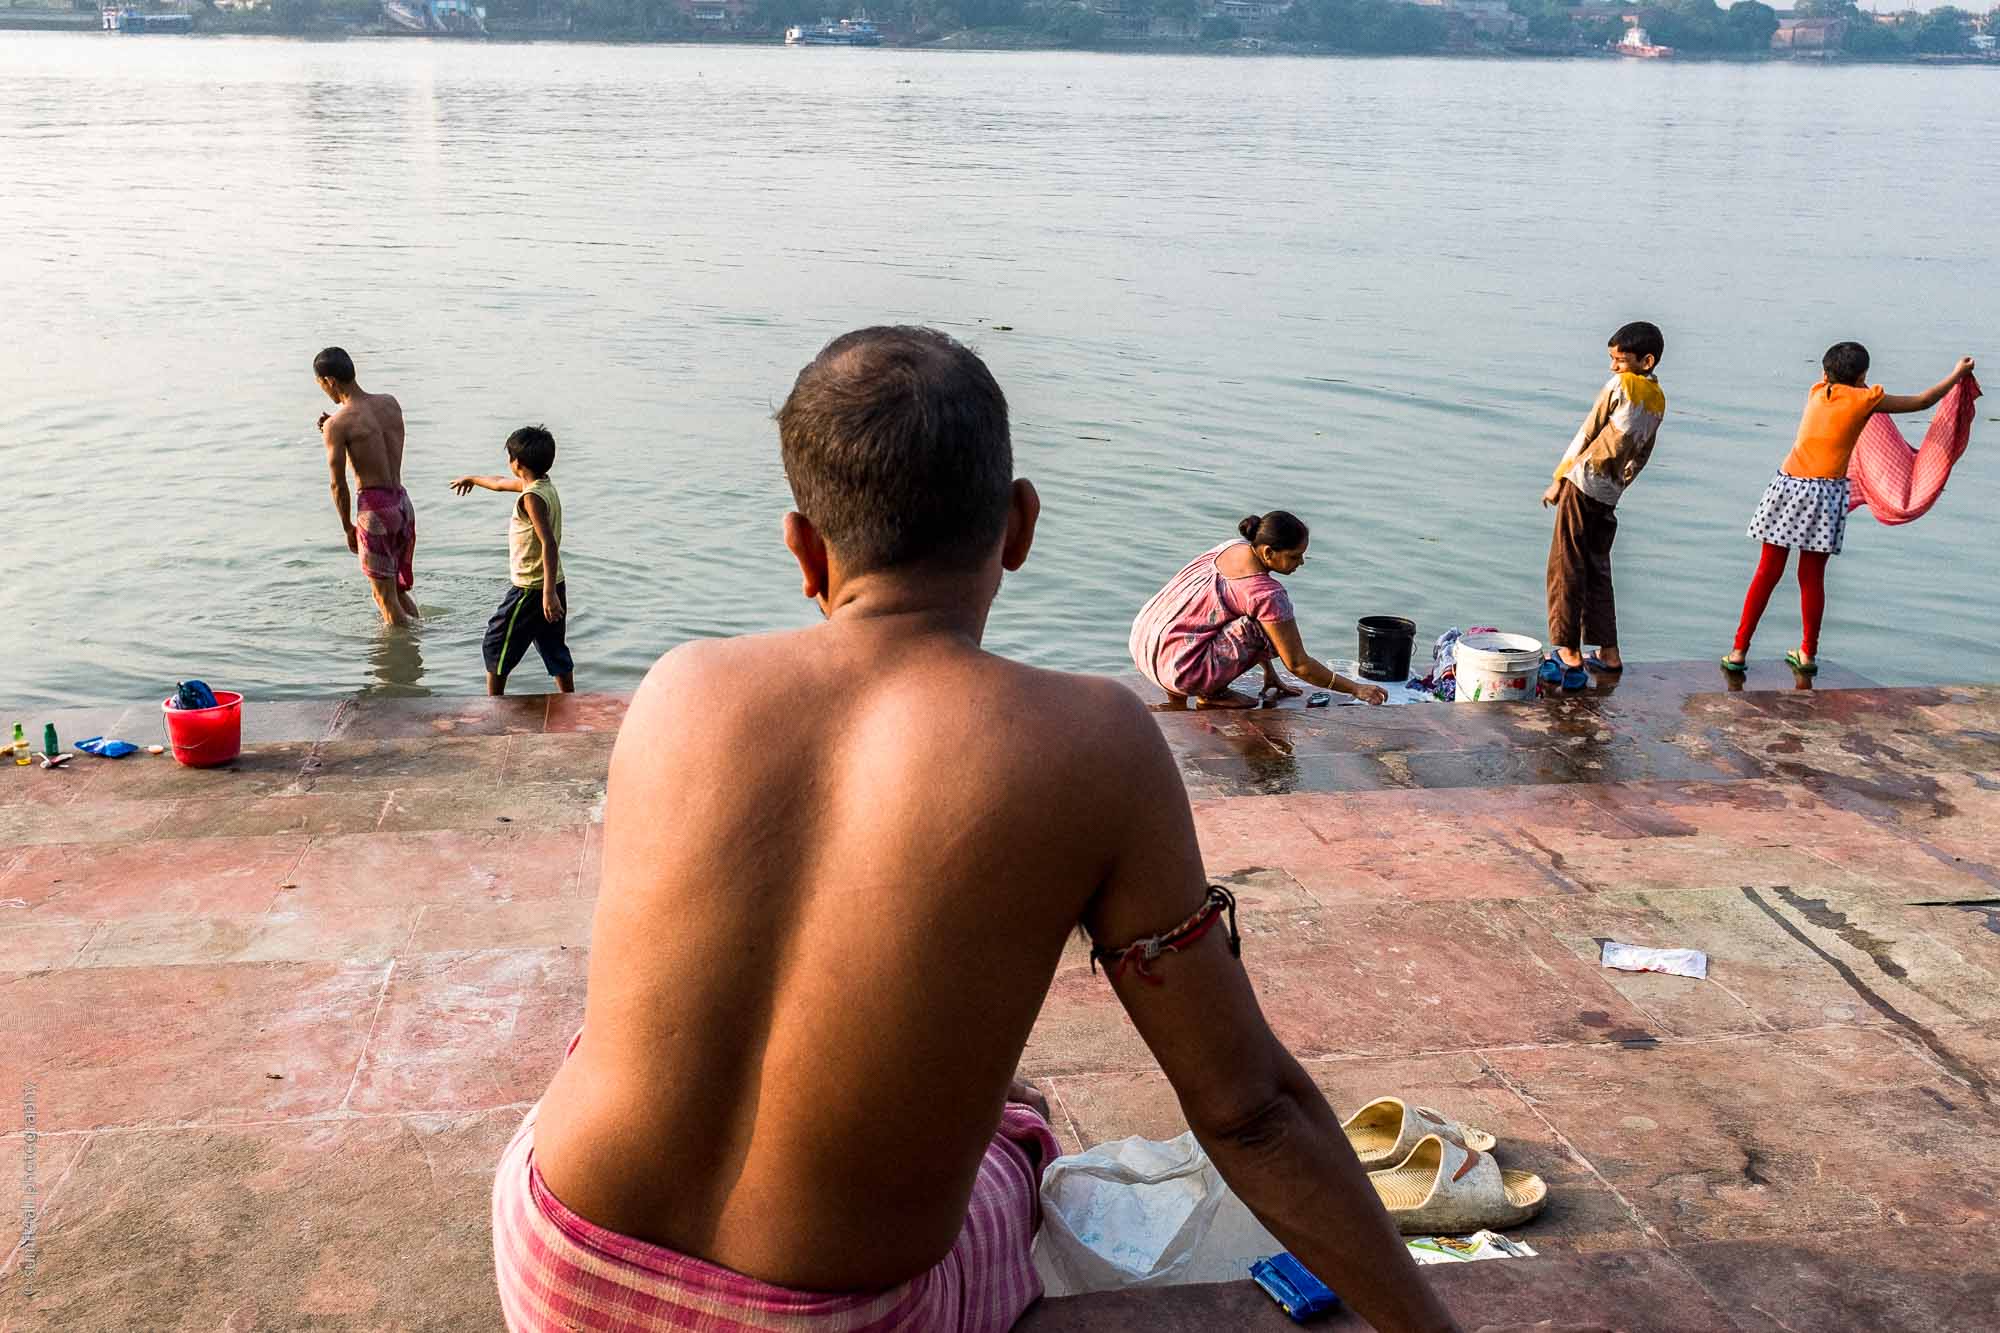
[
  {"x": 1945, "y": 31},
  {"x": 1699, "y": 26},
  {"x": 1364, "y": 26}
]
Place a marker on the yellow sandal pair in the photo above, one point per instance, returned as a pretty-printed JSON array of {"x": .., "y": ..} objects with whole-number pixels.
[{"x": 1437, "y": 1177}]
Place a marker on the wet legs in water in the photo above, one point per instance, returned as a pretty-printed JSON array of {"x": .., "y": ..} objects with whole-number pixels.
[{"x": 397, "y": 607}]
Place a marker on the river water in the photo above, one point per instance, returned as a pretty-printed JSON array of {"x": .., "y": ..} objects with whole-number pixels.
[{"x": 1375, "y": 292}]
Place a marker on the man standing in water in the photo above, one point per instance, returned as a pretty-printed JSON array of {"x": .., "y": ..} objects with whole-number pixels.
[
  {"x": 792, "y": 1104},
  {"x": 365, "y": 431}
]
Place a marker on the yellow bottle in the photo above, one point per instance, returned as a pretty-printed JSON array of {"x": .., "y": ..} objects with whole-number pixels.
[{"x": 20, "y": 746}]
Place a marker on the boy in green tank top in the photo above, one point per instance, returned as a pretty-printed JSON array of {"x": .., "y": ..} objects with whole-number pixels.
[{"x": 533, "y": 607}]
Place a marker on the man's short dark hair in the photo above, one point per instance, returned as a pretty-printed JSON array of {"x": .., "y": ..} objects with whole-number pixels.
[
  {"x": 534, "y": 448},
  {"x": 896, "y": 446},
  {"x": 1845, "y": 363},
  {"x": 334, "y": 364},
  {"x": 1640, "y": 339}
]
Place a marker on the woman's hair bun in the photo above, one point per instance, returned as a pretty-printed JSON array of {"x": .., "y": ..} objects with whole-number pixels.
[{"x": 1280, "y": 530}]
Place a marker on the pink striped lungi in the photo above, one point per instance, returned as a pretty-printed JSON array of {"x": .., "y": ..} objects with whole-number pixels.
[
  {"x": 385, "y": 529},
  {"x": 558, "y": 1271}
]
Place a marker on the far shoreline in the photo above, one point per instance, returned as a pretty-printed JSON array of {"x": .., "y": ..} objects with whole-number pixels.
[{"x": 1021, "y": 43}]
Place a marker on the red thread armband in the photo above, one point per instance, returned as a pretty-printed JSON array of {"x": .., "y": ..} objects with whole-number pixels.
[{"x": 1219, "y": 903}]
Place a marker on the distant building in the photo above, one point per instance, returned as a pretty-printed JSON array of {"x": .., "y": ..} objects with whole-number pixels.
[
  {"x": 1123, "y": 18},
  {"x": 1491, "y": 18},
  {"x": 1253, "y": 16},
  {"x": 721, "y": 15},
  {"x": 1468, "y": 20},
  {"x": 1809, "y": 35}
]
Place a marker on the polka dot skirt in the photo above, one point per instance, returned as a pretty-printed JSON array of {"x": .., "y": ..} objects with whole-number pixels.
[{"x": 1807, "y": 512}]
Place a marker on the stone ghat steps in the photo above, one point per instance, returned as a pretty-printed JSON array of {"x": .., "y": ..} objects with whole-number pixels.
[
  {"x": 1899, "y": 1280},
  {"x": 281, "y": 1018}
]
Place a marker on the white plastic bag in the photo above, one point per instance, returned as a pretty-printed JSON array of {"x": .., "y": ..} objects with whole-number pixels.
[
  {"x": 1139, "y": 1213},
  {"x": 1636, "y": 958}
]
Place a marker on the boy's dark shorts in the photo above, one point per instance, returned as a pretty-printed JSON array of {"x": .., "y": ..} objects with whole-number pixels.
[{"x": 519, "y": 623}]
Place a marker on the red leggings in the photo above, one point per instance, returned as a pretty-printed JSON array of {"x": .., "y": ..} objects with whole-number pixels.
[{"x": 1812, "y": 595}]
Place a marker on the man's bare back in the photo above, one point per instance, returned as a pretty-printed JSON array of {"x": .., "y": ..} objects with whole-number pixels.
[
  {"x": 367, "y": 431},
  {"x": 810, "y": 984}
]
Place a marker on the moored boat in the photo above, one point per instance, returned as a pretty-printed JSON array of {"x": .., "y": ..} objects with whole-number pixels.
[
  {"x": 827, "y": 32},
  {"x": 123, "y": 18},
  {"x": 1637, "y": 43}
]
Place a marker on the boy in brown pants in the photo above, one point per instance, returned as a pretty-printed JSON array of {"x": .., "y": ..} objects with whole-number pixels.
[{"x": 1605, "y": 457}]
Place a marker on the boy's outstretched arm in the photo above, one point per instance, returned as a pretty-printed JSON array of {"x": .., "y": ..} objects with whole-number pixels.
[
  {"x": 464, "y": 485},
  {"x": 1259, "y": 1116},
  {"x": 1929, "y": 398}
]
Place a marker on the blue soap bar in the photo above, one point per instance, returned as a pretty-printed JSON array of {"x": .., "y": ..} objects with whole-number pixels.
[{"x": 1293, "y": 1287}]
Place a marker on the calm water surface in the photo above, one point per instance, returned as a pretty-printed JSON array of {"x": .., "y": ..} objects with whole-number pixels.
[{"x": 1375, "y": 292}]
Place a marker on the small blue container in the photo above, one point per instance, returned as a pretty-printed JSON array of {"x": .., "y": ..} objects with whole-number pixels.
[{"x": 1292, "y": 1285}]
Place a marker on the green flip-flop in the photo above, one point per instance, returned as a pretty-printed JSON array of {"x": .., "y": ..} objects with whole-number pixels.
[
  {"x": 1735, "y": 668},
  {"x": 1800, "y": 665}
]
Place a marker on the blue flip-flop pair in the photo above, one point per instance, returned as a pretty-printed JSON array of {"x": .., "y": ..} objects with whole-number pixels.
[{"x": 1555, "y": 672}]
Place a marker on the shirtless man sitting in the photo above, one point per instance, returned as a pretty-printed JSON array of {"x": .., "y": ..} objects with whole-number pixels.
[
  {"x": 365, "y": 431},
  {"x": 832, "y": 904}
]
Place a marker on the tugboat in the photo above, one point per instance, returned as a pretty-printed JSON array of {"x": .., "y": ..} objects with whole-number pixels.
[
  {"x": 826, "y": 32},
  {"x": 1635, "y": 42},
  {"x": 124, "y": 18}
]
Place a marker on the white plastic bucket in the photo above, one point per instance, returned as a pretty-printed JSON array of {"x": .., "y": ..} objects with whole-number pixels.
[{"x": 1496, "y": 667}]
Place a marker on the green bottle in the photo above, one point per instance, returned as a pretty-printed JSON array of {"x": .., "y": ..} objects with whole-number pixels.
[
  {"x": 20, "y": 746},
  {"x": 49, "y": 739}
]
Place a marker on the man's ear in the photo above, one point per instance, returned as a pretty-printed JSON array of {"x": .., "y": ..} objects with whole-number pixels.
[
  {"x": 1024, "y": 507},
  {"x": 802, "y": 539}
]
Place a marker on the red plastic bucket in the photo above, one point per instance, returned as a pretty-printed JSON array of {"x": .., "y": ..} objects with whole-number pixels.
[{"x": 205, "y": 737}]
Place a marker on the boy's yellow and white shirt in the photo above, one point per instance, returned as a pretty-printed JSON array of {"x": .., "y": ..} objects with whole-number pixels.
[{"x": 1616, "y": 439}]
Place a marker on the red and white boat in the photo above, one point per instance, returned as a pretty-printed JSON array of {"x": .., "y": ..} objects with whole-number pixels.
[{"x": 1635, "y": 42}]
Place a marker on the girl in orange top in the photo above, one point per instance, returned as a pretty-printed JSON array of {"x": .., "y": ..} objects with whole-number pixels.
[{"x": 1806, "y": 503}]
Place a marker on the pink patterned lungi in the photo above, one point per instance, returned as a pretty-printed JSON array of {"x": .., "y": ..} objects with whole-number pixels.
[
  {"x": 385, "y": 522},
  {"x": 558, "y": 1271}
]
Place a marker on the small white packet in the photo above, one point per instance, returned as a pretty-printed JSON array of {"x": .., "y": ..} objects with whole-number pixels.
[{"x": 1636, "y": 958}]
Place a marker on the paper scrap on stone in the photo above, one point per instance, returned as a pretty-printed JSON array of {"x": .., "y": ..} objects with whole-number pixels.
[
  {"x": 1675, "y": 962},
  {"x": 1465, "y": 1249}
]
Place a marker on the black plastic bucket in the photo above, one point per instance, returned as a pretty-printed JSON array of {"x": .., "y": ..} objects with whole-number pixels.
[{"x": 1385, "y": 647}]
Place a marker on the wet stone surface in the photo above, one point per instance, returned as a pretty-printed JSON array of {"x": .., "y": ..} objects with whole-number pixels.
[{"x": 282, "y": 1016}]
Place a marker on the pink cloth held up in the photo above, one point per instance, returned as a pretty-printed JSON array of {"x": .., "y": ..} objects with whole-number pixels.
[{"x": 1899, "y": 483}]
